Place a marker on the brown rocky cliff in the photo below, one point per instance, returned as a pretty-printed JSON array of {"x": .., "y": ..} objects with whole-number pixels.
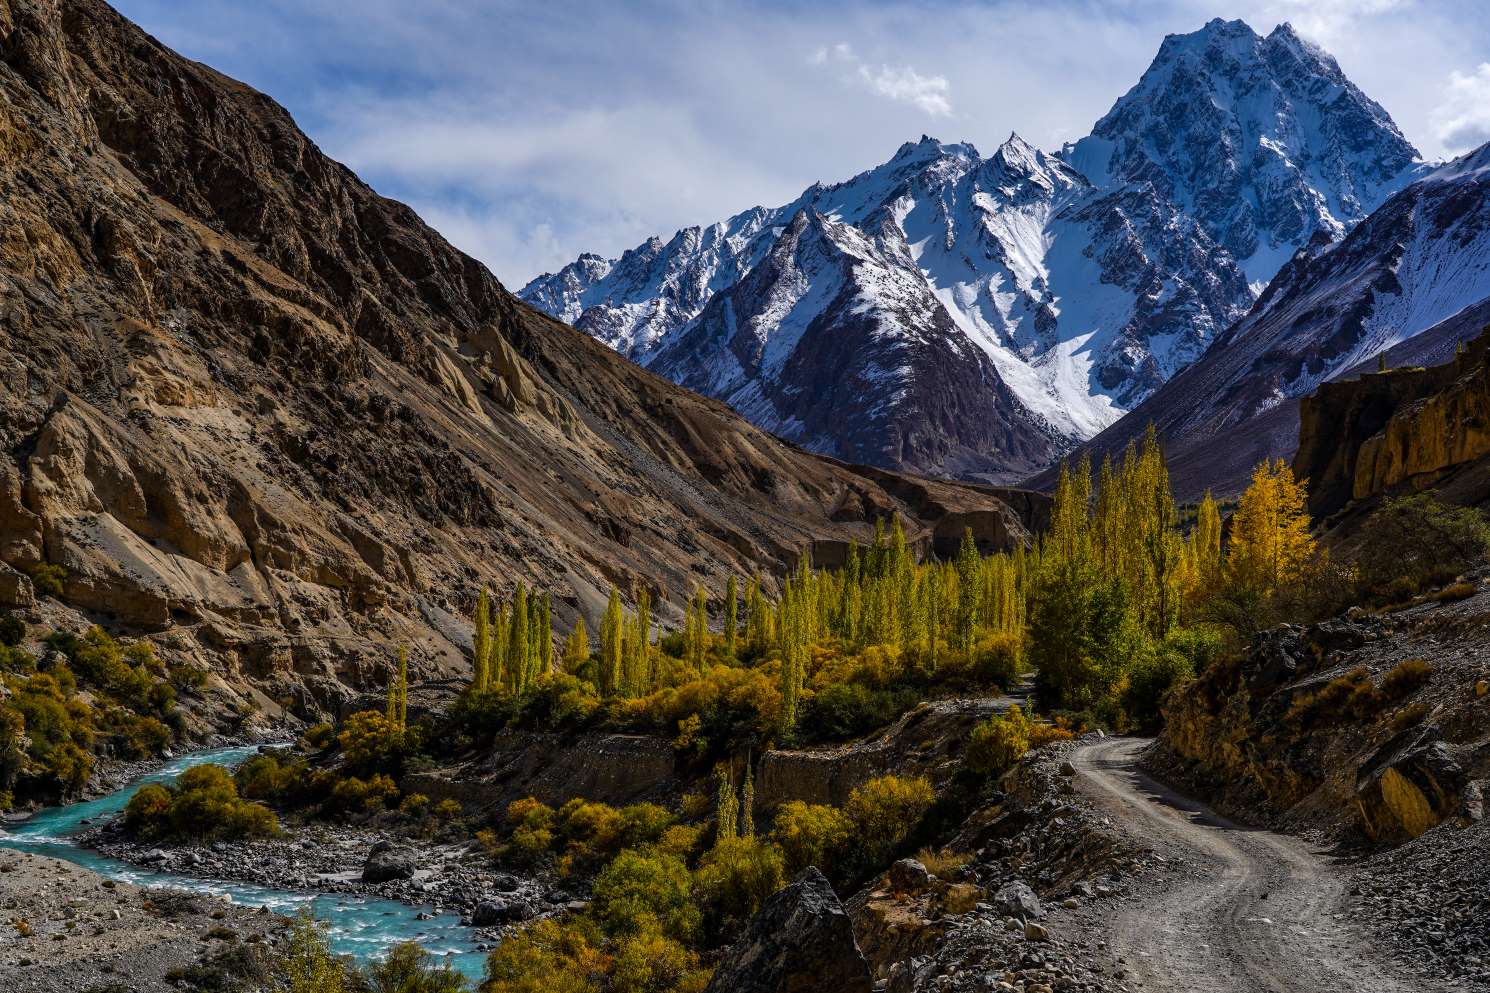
[
  {"x": 1398, "y": 429},
  {"x": 272, "y": 419}
]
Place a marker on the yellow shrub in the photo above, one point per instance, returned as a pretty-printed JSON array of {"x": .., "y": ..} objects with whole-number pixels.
[
  {"x": 885, "y": 810},
  {"x": 811, "y": 834}
]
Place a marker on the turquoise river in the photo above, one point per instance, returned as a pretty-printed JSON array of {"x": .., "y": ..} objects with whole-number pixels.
[{"x": 361, "y": 927}]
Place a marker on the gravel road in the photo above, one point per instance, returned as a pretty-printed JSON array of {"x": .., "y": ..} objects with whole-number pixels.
[{"x": 1262, "y": 913}]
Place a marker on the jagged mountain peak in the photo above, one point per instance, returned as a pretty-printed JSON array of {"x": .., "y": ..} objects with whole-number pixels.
[{"x": 1263, "y": 140}]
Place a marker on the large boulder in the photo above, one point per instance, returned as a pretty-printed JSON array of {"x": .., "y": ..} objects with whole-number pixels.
[
  {"x": 1018, "y": 901},
  {"x": 385, "y": 863},
  {"x": 1411, "y": 784},
  {"x": 800, "y": 941},
  {"x": 490, "y": 913}
]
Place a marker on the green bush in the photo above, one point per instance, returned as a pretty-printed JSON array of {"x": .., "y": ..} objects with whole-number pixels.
[
  {"x": 640, "y": 893},
  {"x": 886, "y": 810},
  {"x": 12, "y": 630},
  {"x": 998, "y": 743},
  {"x": 48, "y": 579},
  {"x": 997, "y": 659},
  {"x": 735, "y": 878},
  {"x": 842, "y": 711},
  {"x": 203, "y": 804},
  {"x": 812, "y": 834},
  {"x": 1416, "y": 542}
]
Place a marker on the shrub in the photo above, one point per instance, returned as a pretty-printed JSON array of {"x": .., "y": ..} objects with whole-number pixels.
[
  {"x": 371, "y": 742},
  {"x": 147, "y": 810},
  {"x": 1409, "y": 716},
  {"x": 551, "y": 956},
  {"x": 841, "y": 711},
  {"x": 12, "y": 630},
  {"x": 1455, "y": 592},
  {"x": 1416, "y": 542},
  {"x": 408, "y": 968},
  {"x": 319, "y": 736},
  {"x": 998, "y": 743},
  {"x": 943, "y": 864},
  {"x": 886, "y": 810},
  {"x": 643, "y": 824},
  {"x": 532, "y": 825},
  {"x": 1405, "y": 679},
  {"x": 48, "y": 579},
  {"x": 591, "y": 829},
  {"x": 812, "y": 834},
  {"x": 354, "y": 795},
  {"x": 997, "y": 659},
  {"x": 652, "y": 963},
  {"x": 449, "y": 809},
  {"x": 736, "y": 877},
  {"x": 203, "y": 804},
  {"x": 414, "y": 804},
  {"x": 642, "y": 892}
]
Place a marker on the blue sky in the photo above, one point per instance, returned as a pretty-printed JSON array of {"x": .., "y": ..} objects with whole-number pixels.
[{"x": 530, "y": 132}]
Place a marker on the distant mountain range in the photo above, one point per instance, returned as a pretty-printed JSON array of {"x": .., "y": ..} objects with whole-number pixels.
[
  {"x": 960, "y": 315},
  {"x": 1409, "y": 282}
]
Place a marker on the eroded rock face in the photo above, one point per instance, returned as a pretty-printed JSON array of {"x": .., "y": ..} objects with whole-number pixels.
[
  {"x": 801, "y": 940},
  {"x": 1411, "y": 785},
  {"x": 1401, "y": 429},
  {"x": 271, "y": 419}
]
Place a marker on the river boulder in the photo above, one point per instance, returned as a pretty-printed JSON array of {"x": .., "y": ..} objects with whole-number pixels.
[{"x": 386, "y": 862}]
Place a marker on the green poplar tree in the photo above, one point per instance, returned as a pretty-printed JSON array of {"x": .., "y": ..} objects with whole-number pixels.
[
  {"x": 731, "y": 615},
  {"x": 481, "y": 655}
]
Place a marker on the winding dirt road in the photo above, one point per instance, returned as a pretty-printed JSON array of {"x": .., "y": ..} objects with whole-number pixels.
[{"x": 1265, "y": 913}]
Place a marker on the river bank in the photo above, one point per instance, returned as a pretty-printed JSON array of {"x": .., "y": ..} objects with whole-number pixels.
[
  {"x": 443, "y": 876},
  {"x": 64, "y": 928},
  {"x": 363, "y": 926}
]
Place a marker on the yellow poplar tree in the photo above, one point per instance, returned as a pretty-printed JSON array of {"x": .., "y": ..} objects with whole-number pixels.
[{"x": 1270, "y": 541}]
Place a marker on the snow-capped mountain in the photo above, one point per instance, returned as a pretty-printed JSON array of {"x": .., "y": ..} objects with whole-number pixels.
[
  {"x": 1264, "y": 141},
  {"x": 1041, "y": 295},
  {"x": 1417, "y": 268}
]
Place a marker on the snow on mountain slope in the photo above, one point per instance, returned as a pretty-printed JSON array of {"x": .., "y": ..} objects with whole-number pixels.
[
  {"x": 1420, "y": 262},
  {"x": 1263, "y": 140},
  {"x": 1069, "y": 287}
]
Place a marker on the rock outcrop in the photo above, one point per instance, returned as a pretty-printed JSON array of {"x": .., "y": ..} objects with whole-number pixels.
[
  {"x": 270, "y": 418},
  {"x": 1401, "y": 429},
  {"x": 1319, "y": 728},
  {"x": 801, "y": 940}
]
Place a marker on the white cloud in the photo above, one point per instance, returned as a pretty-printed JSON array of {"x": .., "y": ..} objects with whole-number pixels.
[
  {"x": 1462, "y": 121},
  {"x": 529, "y": 132},
  {"x": 1330, "y": 21},
  {"x": 902, "y": 84}
]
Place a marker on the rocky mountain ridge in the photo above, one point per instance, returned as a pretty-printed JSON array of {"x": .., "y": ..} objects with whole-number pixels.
[
  {"x": 273, "y": 421},
  {"x": 975, "y": 316},
  {"x": 1408, "y": 283}
]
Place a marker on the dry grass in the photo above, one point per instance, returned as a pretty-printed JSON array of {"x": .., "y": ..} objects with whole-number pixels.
[
  {"x": 943, "y": 864},
  {"x": 1455, "y": 593}
]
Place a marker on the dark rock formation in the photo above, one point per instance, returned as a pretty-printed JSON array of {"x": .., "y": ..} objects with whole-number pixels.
[
  {"x": 1410, "y": 785},
  {"x": 800, "y": 941},
  {"x": 386, "y": 863},
  {"x": 1362, "y": 437}
]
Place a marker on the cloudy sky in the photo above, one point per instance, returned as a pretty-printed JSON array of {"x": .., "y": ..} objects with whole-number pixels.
[{"x": 530, "y": 132}]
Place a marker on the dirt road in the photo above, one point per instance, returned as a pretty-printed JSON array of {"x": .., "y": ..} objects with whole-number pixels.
[{"x": 1265, "y": 913}]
